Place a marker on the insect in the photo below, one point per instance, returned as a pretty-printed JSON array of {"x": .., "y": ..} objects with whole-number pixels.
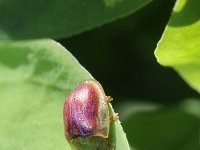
[{"x": 86, "y": 111}]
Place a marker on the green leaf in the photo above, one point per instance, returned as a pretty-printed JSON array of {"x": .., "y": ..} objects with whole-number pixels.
[
  {"x": 35, "y": 77},
  {"x": 60, "y": 18},
  {"x": 179, "y": 46},
  {"x": 164, "y": 128}
]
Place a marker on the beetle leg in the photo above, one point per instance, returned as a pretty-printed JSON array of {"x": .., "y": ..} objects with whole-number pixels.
[
  {"x": 109, "y": 99},
  {"x": 114, "y": 117}
]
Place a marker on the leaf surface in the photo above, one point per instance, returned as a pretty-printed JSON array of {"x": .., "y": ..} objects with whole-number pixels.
[
  {"x": 35, "y": 77},
  {"x": 179, "y": 46},
  {"x": 21, "y": 19}
]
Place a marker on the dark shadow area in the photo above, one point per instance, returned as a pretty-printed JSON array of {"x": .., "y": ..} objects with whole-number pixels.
[{"x": 121, "y": 57}]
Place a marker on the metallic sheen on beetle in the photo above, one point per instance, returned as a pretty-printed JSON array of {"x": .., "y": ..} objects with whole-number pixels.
[{"x": 86, "y": 111}]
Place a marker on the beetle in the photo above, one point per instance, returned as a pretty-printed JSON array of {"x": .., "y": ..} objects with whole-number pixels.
[{"x": 86, "y": 111}]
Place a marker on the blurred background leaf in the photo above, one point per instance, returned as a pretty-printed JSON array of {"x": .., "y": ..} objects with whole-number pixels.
[
  {"x": 175, "y": 127},
  {"x": 179, "y": 46},
  {"x": 35, "y": 77},
  {"x": 60, "y": 18}
]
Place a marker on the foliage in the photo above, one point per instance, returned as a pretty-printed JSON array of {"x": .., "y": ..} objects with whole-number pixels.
[{"x": 37, "y": 74}]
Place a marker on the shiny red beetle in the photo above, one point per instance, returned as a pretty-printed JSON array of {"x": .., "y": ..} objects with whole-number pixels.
[{"x": 86, "y": 111}]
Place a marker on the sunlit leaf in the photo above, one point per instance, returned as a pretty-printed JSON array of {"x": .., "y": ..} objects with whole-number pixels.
[{"x": 179, "y": 46}]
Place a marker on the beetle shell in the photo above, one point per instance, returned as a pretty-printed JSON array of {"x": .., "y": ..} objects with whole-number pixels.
[{"x": 86, "y": 111}]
